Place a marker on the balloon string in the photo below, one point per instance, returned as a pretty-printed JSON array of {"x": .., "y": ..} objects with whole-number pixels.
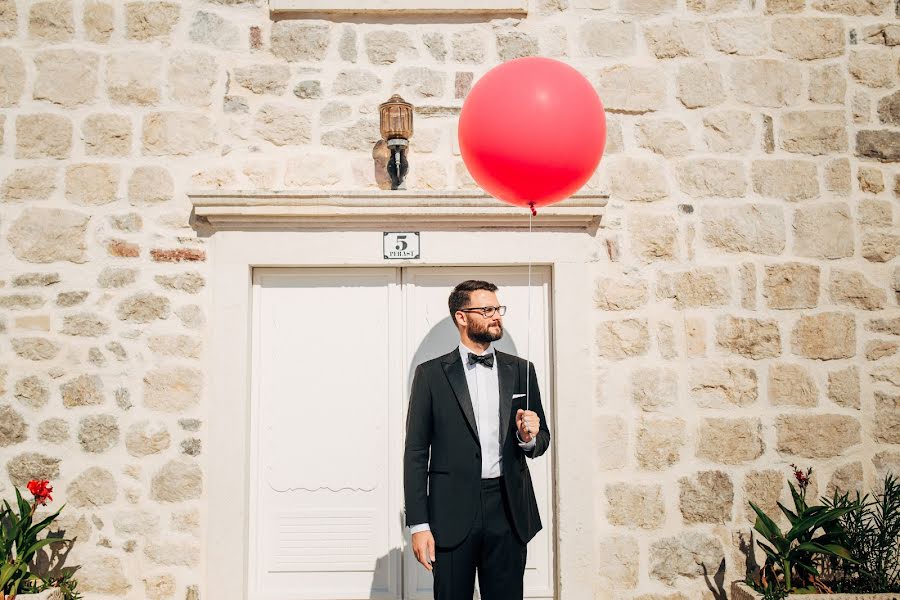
[{"x": 528, "y": 345}]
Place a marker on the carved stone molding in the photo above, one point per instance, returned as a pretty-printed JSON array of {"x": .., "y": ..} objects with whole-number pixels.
[{"x": 378, "y": 209}]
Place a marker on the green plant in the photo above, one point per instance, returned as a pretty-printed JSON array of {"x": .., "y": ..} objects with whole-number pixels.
[
  {"x": 18, "y": 539},
  {"x": 791, "y": 556},
  {"x": 872, "y": 533}
]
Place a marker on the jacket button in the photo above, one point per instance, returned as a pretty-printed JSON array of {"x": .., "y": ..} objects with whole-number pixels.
[{"x": 477, "y": 454}]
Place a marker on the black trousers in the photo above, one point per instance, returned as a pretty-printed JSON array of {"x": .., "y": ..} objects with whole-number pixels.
[{"x": 491, "y": 548}]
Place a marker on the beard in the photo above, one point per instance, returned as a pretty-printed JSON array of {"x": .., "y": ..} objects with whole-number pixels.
[{"x": 484, "y": 335}]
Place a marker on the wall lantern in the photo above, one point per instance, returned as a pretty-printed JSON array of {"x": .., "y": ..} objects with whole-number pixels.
[{"x": 396, "y": 129}]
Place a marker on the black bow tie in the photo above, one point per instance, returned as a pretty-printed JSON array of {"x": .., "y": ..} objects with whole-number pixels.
[{"x": 485, "y": 359}]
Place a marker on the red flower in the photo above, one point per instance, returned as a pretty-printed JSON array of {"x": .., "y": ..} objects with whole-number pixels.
[
  {"x": 802, "y": 478},
  {"x": 40, "y": 490}
]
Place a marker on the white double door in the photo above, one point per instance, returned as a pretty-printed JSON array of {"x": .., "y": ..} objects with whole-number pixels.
[{"x": 333, "y": 354}]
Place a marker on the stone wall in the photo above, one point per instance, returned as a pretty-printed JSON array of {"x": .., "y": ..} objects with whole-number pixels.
[{"x": 746, "y": 286}]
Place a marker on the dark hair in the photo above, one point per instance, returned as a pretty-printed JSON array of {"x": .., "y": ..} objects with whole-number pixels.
[{"x": 459, "y": 297}]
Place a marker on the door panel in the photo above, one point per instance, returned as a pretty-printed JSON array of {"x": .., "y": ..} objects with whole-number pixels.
[
  {"x": 333, "y": 354},
  {"x": 430, "y": 333},
  {"x": 323, "y": 507}
]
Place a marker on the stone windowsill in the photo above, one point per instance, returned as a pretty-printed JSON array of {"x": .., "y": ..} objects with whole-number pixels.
[
  {"x": 399, "y": 6},
  {"x": 449, "y": 210},
  {"x": 741, "y": 591}
]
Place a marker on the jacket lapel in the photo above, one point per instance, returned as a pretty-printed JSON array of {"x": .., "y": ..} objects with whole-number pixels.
[
  {"x": 506, "y": 376},
  {"x": 453, "y": 369}
]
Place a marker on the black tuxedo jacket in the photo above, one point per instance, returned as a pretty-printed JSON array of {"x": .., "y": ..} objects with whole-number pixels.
[{"x": 445, "y": 491}]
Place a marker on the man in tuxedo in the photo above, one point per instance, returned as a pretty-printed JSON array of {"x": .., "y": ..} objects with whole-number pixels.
[{"x": 471, "y": 507}]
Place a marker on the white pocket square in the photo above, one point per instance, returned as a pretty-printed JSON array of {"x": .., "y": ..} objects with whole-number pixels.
[{"x": 518, "y": 396}]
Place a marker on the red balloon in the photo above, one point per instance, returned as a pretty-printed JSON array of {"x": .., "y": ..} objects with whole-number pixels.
[{"x": 532, "y": 131}]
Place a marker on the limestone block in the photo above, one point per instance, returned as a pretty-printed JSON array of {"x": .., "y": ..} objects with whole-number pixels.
[
  {"x": 751, "y": 338},
  {"x": 763, "y": 488},
  {"x": 149, "y": 185},
  {"x": 766, "y": 82},
  {"x": 887, "y": 418},
  {"x": 98, "y": 21},
  {"x": 690, "y": 554},
  {"x": 622, "y": 339},
  {"x": 51, "y": 21},
  {"x": 468, "y": 46},
  {"x": 791, "y": 285},
  {"x": 757, "y": 228},
  {"x": 387, "y": 47},
  {"x": 632, "y": 89},
  {"x": 852, "y": 288},
  {"x": 145, "y": 438},
  {"x": 172, "y": 389},
  {"x": 785, "y": 179},
  {"x": 653, "y": 237},
  {"x": 420, "y": 82},
  {"x": 880, "y": 246},
  {"x": 133, "y": 78},
  {"x": 824, "y": 231},
  {"x": 667, "y": 137},
  {"x": 146, "y": 21},
  {"x": 637, "y": 179},
  {"x": 813, "y": 132},
  {"x": 515, "y": 44},
  {"x": 843, "y": 387},
  {"x": 827, "y": 84},
  {"x": 43, "y": 135},
  {"x": 816, "y": 436},
  {"x": 620, "y": 293},
  {"x": 706, "y": 497},
  {"x": 192, "y": 76},
  {"x": 175, "y": 133},
  {"x": 107, "y": 134},
  {"x": 29, "y": 183},
  {"x": 809, "y": 38},
  {"x": 602, "y": 37},
  {"x": 790, "y": 384},
  {"x": 704, "y": 286},
  {"x": 12, "y": 77},
  {"x": 873, "y": 67},
  {"x": 676, "y": 38},
  {"x": 65, "y": 77},
  {"x": 98, "y": 433},
  {"x": 92, "y": 184},
  {"x": 708, "y": 177},
  {"x": 729, "y": 131},
  {"x": 45, "y": 235},
  {"x": 700, "y": 84},
  {"x": 824, "y": 336},
  {"x": 730, "y": 441},
  {"x": 742, "y": 36},
  {"x": 31, "y": 465},
  {"x": 355, "y": 82},
  {"x": 659, "y": 442},
  {"x": 177, "y": 481},
  {"x": 635, "y": 505},
  {"x": 654, "y": 389},
  {"x": 211, "y": 29}
]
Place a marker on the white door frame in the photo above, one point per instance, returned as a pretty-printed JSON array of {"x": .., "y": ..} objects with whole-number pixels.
[{"x": 234, "y": 253}]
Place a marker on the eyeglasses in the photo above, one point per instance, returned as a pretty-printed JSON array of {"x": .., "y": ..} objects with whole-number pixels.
[{"x": 486, "y": 311}]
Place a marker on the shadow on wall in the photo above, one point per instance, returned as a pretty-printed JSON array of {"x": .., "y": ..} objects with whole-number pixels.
[{"x": 444, "y": 337}]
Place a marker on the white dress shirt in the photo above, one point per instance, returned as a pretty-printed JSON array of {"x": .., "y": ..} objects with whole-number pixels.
[{"x": 484, "y": 390}]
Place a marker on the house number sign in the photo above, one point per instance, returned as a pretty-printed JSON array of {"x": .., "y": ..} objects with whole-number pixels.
[{"x": 401, "y": 245}]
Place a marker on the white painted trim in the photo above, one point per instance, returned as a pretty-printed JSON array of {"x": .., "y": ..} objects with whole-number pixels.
[
  {"x": 247, "y": 210},
  {"x": 400, "y": 6},
  {"x": 233, "y": 255}
]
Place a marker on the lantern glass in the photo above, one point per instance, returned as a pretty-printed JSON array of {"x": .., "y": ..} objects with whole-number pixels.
[{"x": 396, "y": 119}]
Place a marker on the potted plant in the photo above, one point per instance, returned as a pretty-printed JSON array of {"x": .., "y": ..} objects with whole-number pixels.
[
  {"x": 843, "y": 548},
  {"x": 19, "y": 544}
]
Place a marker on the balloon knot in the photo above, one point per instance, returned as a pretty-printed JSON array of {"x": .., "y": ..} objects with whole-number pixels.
[{"x": 533, "y": 212}]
